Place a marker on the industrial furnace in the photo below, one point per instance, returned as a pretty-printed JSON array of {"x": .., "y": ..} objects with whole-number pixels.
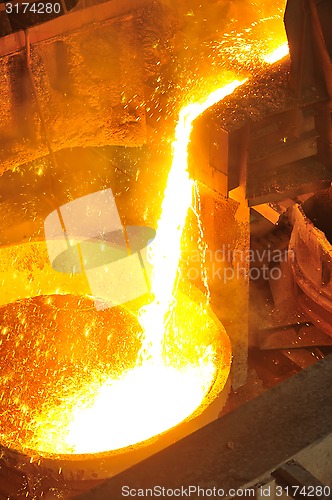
[{"x": 165, "y": 199}]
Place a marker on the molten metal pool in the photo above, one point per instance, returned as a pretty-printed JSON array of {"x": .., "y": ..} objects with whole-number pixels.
[{"x": 70, "y": 382}]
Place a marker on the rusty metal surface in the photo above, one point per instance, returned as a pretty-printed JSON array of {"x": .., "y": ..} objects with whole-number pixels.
[
  {"x": 243, "y": 446},
  {"x": 282, "y": 157},
  {"x": 312, "y": 269}
]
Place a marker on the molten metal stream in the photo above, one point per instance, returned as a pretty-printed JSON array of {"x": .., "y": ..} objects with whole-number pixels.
[
  {"x": 162, "y": 395},
  {"x": 155, "y": 395},
  {"x": 277, "y": 54},
  {"x": 166, "y": 257}
]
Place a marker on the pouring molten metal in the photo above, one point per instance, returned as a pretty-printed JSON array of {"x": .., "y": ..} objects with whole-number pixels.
[
  {"x": 158, "y": 392},
  {"x": 105, "y": 380}
]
